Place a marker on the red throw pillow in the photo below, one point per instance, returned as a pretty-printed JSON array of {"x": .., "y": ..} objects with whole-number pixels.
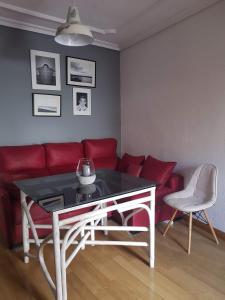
[
  {"x": 128, "y": 159},
  {"x": 157, "y": 170},
  {"x": 134, "y": 170}
]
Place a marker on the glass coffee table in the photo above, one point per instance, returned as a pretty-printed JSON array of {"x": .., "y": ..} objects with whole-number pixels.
[{"x": 61, "y": 194}]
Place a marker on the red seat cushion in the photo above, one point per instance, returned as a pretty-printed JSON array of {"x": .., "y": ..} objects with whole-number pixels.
[
  {"x": 100, "y": 148},
  {"x": 20, "y": 158},
  {"x": 134, "y": 170},
  {"x": 128, "y": 159},
  {"x": 63, "y": 155},
  {"x": 157, "y": 170}
]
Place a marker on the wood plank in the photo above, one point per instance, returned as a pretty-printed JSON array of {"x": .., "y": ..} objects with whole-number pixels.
[{"x": 112, "y": 272}]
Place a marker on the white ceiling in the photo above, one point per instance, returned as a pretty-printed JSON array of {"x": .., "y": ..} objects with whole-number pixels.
[{"x": 134, "y": 20}]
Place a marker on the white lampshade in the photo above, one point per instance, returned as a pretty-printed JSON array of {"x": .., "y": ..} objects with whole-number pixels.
[{"x": 73, "y": 33}]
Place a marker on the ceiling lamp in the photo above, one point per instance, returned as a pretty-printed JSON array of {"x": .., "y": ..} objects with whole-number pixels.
[{"x": 73, "y": 33}]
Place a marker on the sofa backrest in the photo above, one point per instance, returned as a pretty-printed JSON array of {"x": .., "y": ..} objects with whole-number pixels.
[
  {"x": 102, "y": 152},
  {"x": 57, "y": 157},
  {"x": 22, "y": 158},
  {"x": 63, "y": 154},
  {"x": 100, "y": 148}
]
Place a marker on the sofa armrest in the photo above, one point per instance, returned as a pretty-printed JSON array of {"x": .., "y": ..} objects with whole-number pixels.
[
  {"x": 175, "y": 182},
  {"x": 5, "y": 217}
]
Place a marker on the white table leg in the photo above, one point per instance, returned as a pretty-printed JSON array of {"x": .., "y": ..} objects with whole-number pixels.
[
  {"x": 57, "y": 256},
  {"x": 25, "y": 228},
  {"x": 61, "y": 264},
  {"x": 152, "y": 230},
  {"x": 104, "y": 220},
  {"x": 82, "y": 235},
  {"x": 92, "y": 232}
]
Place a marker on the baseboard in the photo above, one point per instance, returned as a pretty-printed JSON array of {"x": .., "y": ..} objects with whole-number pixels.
[{"x": 220, "y": 234}]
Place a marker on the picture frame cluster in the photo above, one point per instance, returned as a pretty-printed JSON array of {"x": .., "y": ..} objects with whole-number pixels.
[{"x": 46, "y": 75}]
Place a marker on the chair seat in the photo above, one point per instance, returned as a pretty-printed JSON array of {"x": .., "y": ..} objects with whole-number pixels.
[{"x": 189, "y": 204}]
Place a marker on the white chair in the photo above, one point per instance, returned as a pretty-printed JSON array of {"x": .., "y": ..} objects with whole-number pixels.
[{"x": 200, "y": 194}]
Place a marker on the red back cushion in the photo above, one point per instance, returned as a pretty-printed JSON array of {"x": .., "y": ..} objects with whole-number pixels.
[
  {"x": 157, "y": 170},
  {"x": 128, "y": 159},
  {"x": 106, "y": 163},
  {"x": 134, "y": 170},
  {"x": 63, "y": 154},
  {"x": 20, "y": 158},
  {"x": 100, "y": 148}
]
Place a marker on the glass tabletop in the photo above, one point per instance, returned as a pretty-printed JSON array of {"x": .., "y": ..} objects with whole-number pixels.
[{"x": 63, "y": 191}]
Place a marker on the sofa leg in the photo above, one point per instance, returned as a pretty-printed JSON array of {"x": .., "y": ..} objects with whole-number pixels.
[{"x": 170, "y": 222}]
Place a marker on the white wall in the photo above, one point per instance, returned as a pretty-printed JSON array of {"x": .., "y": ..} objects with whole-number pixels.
[{"x": 173, "y": 96}]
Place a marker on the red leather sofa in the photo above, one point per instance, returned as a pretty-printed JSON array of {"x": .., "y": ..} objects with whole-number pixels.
[
  {"x": 167, "y": 183},
  {"x": 20, "y": 162}
]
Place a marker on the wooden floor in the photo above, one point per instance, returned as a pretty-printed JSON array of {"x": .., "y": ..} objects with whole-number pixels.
[{"x": 114, "y": 273}]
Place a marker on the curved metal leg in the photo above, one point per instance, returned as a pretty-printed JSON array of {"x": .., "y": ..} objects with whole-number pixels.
[
  {"x": 43, "y": 264},
  {"x": 151, "y": 214},
  {"x": 120, "y": 213},
  {"x": 86, "y": 225},
  {"x": 70, "y": 236}
]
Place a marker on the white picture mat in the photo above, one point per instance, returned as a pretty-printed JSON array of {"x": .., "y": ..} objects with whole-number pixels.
[
  {"x": 84, "y": 68},
  {"x": 75, "y": 110},
  {"x": 46, "y": 101},
  {"x": 35, "y": 85}
]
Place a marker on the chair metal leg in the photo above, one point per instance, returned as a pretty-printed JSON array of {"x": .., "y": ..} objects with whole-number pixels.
[
  {"x": 170, "y": 222},
  {"x": 189, "y": 235},
  {"x": 211, "y": 227}
]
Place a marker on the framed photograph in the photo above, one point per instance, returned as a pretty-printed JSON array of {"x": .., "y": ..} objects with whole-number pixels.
[
  {"x": 46, "y": 105},
  {"x": 45, "y": 70},
  {"x": 80, "y": 72},
  {"x": 81, "y": 102}
]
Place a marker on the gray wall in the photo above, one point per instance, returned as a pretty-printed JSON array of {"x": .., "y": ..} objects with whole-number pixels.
[{"x": 18, "y": 126}]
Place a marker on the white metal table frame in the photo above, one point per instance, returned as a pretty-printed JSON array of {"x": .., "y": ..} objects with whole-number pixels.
[{"x": 84, "y": 226}]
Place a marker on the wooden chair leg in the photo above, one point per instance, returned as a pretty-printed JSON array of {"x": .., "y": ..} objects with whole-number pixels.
[
  {"x": 170, "y": 222},
  {"x": 189, "y": 235},
  {"x": 211, "y": 227}
]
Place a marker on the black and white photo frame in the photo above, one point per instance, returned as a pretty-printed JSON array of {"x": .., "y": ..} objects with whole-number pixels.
[
  {"x": 46, "y": 105},
  {"x": 80, "y": 72},
  {"x": 81, "y": 101},
  {"x": 45, "y": 70}
]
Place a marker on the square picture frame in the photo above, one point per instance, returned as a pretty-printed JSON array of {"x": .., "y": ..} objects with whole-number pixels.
[
  {"x": 45, "y": 70},
  {"x": 80, "y": 72},
  {"x": 81, "y": 102},
  {"x": 46, "y": 105}
]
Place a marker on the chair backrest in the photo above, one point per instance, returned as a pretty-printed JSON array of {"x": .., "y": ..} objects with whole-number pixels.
[{"x": 204, "y": 183}]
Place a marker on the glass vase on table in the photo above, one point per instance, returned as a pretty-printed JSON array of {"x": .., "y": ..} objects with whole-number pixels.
[{"x": 86, "y": 171}]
